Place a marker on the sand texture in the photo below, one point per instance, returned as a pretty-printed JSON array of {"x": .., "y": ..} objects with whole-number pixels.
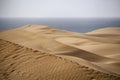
[{"x": 36, "y": 52}]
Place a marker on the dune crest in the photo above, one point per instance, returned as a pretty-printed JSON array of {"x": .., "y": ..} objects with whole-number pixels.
[
  {"x": 66, "y": 55},
  {"x": 108, "y": 30}
]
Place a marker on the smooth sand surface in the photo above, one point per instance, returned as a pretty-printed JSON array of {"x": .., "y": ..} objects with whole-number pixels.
[
  {"x": 109, "y": 30},
  {"x": 36, "y": 52}
]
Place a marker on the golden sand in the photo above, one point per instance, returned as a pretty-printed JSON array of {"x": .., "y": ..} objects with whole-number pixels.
[{"x": 37, "y": 52}]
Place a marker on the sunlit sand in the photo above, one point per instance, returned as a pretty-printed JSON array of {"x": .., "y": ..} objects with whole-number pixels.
[{"x": 36, "y": 52}]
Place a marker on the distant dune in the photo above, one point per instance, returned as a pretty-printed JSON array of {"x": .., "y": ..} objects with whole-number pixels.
[
  {"x": 36, "y": 52},
  {"x": 108, "y": 30}
]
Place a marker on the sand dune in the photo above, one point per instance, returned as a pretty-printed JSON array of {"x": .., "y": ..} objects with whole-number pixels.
[
  {"x": 59, "y": 55},
  {"x": 22, "y": 63},
  {"x": 109, "y": 30}
]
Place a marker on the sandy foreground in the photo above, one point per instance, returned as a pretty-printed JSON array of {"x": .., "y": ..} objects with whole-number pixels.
[{"x": 36, "y": 52}]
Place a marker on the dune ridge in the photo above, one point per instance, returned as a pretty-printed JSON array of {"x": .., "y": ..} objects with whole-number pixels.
[
  {"x": 21, "y": 63},
  {"x": 99, "y": 53}
]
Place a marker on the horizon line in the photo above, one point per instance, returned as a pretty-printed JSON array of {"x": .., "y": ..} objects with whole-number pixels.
[{"x": 59, "y": 17}]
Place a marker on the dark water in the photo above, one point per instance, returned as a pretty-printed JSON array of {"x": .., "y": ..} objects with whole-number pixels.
[{"x": 71, "y": 24}]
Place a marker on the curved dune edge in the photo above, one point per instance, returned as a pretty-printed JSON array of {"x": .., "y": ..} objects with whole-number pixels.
[
  {"x": 108, "y": 30},
  {"x": 71, "y": 45},
  {"x": 43, "y": 38},
  {"x": 94, "y": 58},
  {"x": 21, "y": 63}
]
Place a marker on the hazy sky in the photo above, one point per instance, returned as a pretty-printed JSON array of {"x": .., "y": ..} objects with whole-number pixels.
[{"x": 59, "y": 8}]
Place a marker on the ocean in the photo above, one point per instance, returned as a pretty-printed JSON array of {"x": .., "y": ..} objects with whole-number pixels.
[{"x": 72, "y": 24}]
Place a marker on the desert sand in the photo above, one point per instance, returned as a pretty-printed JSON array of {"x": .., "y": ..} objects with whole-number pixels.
[{"x": 37, "y": 52}]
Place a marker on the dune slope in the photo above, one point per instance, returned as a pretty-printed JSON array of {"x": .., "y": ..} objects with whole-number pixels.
[
  {"x": 99, "y": 52},
  {"x": 21, "y": 63}
]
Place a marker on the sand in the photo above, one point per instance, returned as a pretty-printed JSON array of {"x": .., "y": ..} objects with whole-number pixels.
[{"x": 36, "y": 52}]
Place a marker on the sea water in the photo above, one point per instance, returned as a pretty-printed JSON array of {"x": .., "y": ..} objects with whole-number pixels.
[{"x": 71, "y": 24}]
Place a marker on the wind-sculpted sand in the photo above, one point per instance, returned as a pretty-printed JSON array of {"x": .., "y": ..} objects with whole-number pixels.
[{"x": 35, "y": 52}]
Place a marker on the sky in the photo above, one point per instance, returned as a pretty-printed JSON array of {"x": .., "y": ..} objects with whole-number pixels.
[{"x": 60, "y": 8}]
